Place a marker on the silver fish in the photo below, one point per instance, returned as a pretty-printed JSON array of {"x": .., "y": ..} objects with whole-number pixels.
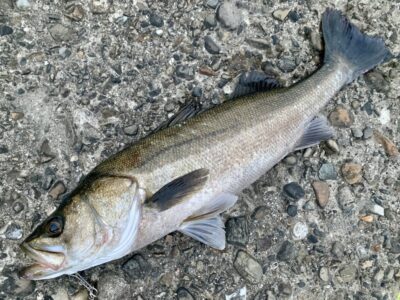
[{"x": 183, "y": 176}]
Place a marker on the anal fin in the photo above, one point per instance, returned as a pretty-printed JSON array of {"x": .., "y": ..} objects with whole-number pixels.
[
  {"x": 318, "y": 130},
  {"x": 206, "y": 225}
]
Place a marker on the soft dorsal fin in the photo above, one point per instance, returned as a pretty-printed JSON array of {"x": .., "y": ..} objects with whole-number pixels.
[
  {"x": 206, "y": 225},
  {"x": 179, "y": 189},
  {"x": 318, "y": 130},
  {"x": 189, "y": 110},
  {"x": 254, "y": 82}
]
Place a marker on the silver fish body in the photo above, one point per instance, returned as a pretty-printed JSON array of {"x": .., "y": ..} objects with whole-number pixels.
[{"x": 182, "y": 177}]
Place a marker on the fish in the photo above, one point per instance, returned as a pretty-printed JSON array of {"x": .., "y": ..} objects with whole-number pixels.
[{"x": 186, "y": 174}]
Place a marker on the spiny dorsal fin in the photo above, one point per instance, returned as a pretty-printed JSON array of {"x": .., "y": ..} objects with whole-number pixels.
[
  {"x": 206, "y": 225},
  {"x": 254, "y": 82},
  {"x": 318, "y": 130},
  {"x": 189, "y": 110},
  {"x": 179, "y": 189}
]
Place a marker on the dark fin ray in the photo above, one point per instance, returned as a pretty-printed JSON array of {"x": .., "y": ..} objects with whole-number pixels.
[
  {"x": 345, "y": 42},
  {"x": 254, "y": 82},
  {"x": 189, "y": 110},
  {"x": 318, "y": 130},
  {"x": 206, "y": 225},
  {"x": 179, "y": 189}
]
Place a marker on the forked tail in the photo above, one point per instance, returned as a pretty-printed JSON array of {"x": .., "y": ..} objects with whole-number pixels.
[{"x": 344, "y": 43}]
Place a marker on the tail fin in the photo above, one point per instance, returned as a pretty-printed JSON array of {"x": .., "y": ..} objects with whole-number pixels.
[{"x": 345, "y": 43}]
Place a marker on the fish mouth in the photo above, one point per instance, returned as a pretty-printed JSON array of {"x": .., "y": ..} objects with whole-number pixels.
[{"x": 46, "y": 262}]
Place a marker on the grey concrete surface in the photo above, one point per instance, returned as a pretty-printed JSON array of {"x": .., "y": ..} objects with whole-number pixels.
[{"x": 80, "y": 80}]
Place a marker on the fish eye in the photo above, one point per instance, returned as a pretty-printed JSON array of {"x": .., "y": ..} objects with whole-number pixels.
[{"x": 55, "y": 226}]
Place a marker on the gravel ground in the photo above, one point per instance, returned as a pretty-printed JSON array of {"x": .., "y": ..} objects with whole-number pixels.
[{"x": 80, "y": 80}]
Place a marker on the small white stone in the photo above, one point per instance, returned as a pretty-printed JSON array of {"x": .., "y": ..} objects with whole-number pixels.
[
  {"x": 300, "y": 231},
  {"x": 377, "y": 210},
  {"x": 23, "y": 3},
  {"x": 238, "y": 295},
  {"x": 384, "y": 117}
]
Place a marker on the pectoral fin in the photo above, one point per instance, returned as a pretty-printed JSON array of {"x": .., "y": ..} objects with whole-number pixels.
[
  {"x": 179, "y": 189},
  {"x": 318, "y": 130},
  {"x": 206, "y": 225}
]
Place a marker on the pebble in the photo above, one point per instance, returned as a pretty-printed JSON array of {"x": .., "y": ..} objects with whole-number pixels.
[
  {"x": 285, "y": 289},
  {"x": 17, "y": 115},
  {"x": 367, "y": 218},
  {"x": 337, "y": 250},
  {"x": 293, "y": 190},
  {"x": 377, "y": 81},
  {"x": 300, "y": 231},
  {"x": 136, "y": 267},
  {"x": 292, "y": 210},
  {"x": 312, "y": 239},
  {"x": 237, "y": 232},
  {"x": 185, "y": 72},
  {"x": 346, "y": 199},
  {"x": 13, "y": 232},
  {"x": 248, "y": 267},
  {"x": 183, "y": 294},
  {"x": 23, "y": 4},
  {"x": 357, "y": 133},
  {"x": 376, "y": 209},
  {"x": 390, "y": 148},
  {"x": 257, "y": 43},
  {"x": 211, "y": 46},
  {"x": 5, "y": 30},
  {"x": 131, "y": 130},
  {"x": 322, "y": 192},
  {"x": 75, "y": 12},
  {"x": 169, "y": 107},
  {"x": 229, "y": 15},
  {"x": 294, "y": 16},
  {"x": 281, "y": 14},
  {"x": 156, "y": 20},
  {"x": 3, "y": 149},
  {"x": 100, "y": 6},
  {"x": 238, "y": 295},
  {"x": 324, "y": 274},
  {"x": 379, "y": 274},
  {"x": 316, "y": 41},
  {"x": 260, "y": 213},
  {"x": 61, "y": 33},
  {"x": 197, "y": 91},
  {"x": 355, "y": 104},
  {"x": 291, "y": 160},
  {"x": 352, "y": 172},
  {"x": 367, "y": 133},
  {"x": 287, "y": 251},
  {"x": 57, "y": 190},
  {"x": 210, "y": 21},
  {"x": 327, "y": 172},
  {"x": 64, "y": 52},
  {"x": 212, "y": 3},
  {"x": 287, "y": 64},
  {"x": 18, "y": 207},
  {"x": 341, "y": 117},
  {"x": 348, "y": 273}
]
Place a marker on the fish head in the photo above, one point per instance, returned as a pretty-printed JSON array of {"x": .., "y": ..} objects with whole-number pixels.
[{"x": 88, "y": 229}]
